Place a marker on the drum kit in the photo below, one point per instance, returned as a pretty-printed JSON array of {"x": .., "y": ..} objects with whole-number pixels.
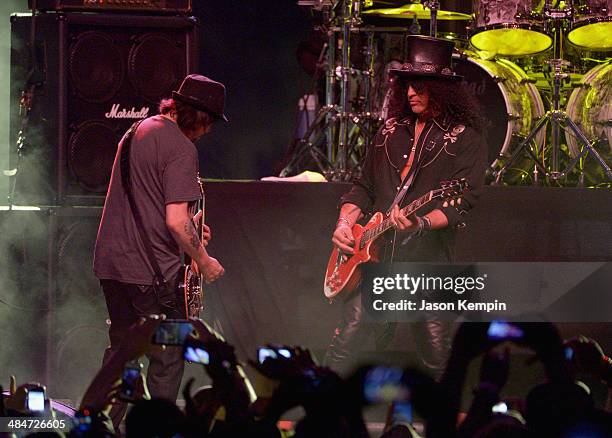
[{"x": 541, "y": 70}]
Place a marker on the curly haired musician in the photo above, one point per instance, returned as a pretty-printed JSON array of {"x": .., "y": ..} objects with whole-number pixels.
[
  {"x": 162, "y": 164},
  {"x": 434, "y": 133}
]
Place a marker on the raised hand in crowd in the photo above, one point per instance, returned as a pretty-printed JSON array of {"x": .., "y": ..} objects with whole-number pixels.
[
  {"x": 231, "y": 389},
  {"x": 494, "y": 374},
  {"x": 587, "y": 357},
  {"x": 330, "y": 409},
  {"x": 587, "y": 360}
]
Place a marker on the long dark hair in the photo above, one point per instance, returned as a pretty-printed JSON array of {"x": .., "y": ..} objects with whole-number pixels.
[
  {"x": 188, "y": 118},
  {"x": 448, "y": 97}
]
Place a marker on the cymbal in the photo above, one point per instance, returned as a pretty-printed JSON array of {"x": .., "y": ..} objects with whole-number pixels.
[{"x": 415, "y": 10}]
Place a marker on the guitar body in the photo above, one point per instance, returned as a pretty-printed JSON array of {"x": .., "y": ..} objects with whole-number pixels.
[
  {"x": 190, "y": 292},
  {"x": 344, "y": 276},
  {"x": 343, "y": 272}
]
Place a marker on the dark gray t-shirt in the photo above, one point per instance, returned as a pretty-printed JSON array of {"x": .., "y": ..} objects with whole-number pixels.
[{"x": 163, "y": 170}]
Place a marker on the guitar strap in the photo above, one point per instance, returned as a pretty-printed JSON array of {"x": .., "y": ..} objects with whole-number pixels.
[
  {"x": 406, "y": 184},
  {"x": 165, "y": 294},
  {"x": 399, "y": 197}
]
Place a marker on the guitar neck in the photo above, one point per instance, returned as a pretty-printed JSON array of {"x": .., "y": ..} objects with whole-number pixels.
[
  {"x": 202, "y": 207},
  {"x": 380, "y": 229}
]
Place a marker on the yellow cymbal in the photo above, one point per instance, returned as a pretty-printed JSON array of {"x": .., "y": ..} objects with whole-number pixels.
[{"x": 412, "y": 10}]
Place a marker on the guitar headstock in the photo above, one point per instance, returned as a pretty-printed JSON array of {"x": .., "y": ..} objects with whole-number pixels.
[{"x": 451, "y": 191}]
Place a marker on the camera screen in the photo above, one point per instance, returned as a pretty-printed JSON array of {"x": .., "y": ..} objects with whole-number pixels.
[
  {"x": 284, "y": 352},
  {"x": 385, "y": 384},
  {"x": 402, "y": 413},
  {"x": 265, "y": 353},
  {"x": 503, "y": 330},
  {"x": 130, "y": 377},
  {"x": 197, "y": 355},
  {"x": 500, "y": 408},
  {"x": 36, "y": 400},
  {"x": 172, "y": 332},
  {"x": 273, "y": 353}
]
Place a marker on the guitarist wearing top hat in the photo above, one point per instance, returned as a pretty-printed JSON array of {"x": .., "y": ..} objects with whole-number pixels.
[{"x": 434, "y": 132}]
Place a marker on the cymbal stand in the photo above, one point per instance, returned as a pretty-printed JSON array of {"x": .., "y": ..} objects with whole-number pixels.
[
  {"x": 367, "y": 79},
  {"x": 330, "y": 90},
  {"x": 556, "y": 116},
  {"x": 434, "y": 6},
  {"x": 310, "y": 141},
  {"x": 559, "y": 117},
  {"x": 346, "y": 133},
  {"x": 349, "y": 18}
]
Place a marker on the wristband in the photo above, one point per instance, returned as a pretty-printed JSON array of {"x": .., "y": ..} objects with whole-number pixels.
[
  {"x": 420, "y": 226},
  {"x": 426, "y": 223},
  {"x": 344, "y": 221}
]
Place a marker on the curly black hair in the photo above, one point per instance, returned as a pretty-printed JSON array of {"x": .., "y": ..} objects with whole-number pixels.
[{"x": 448, "y": 97}]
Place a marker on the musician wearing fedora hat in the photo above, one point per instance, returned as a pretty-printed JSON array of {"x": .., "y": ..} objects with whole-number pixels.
[
  {"x": 147, "y": 222},
  {"x": 434, "y": 132}
]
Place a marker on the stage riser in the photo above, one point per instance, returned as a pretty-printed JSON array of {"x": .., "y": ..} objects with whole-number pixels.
[{"x": 273, "y": 240}]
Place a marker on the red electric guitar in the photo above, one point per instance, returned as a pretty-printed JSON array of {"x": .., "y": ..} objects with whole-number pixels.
[{"x": 343, "y": 271}]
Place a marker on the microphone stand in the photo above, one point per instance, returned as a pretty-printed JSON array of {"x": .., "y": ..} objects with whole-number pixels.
[{"x": 35, "y": 79}]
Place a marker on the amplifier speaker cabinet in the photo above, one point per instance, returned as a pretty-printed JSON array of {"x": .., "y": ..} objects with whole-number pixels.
[
  {"x": 148, "y": 6},
  {"x": 54, "y": 317},
  {"x": 101, "y": 73}
]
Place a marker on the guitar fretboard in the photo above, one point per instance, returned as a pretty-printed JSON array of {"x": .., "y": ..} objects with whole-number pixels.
[{"x": 375, "y": 232}]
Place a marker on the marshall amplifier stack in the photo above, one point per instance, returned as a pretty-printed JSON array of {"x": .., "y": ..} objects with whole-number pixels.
[
  {"x": 98, "y": 73},
  {"x": 153, "y": 6},
  {"x": 91, "y": 69}
]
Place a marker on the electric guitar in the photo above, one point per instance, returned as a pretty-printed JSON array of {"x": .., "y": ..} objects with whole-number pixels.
[
  {"x": 190, "y": 288},
  {"x": 343, "y": 271}
]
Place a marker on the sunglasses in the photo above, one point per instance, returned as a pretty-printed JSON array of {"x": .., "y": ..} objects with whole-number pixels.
[{"x": 419, "y": 86}]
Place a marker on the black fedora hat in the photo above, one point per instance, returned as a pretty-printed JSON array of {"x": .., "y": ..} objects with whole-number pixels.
[
  {"x": 428, "y": 57},
  {"x": 204, "y": 94}
]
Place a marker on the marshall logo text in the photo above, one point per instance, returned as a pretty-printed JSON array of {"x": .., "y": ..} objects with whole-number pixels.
[{"x": 116, "y": 113}]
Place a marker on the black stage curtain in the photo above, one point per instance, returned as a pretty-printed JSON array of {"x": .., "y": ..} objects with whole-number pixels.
[{"x": 274, "y": 241}]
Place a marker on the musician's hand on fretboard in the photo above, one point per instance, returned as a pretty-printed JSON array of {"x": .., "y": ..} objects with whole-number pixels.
[
  {"x": 196, "y": 219},
  {"x": 401, "y": 222},
  {"x": 206, "y": 234}
]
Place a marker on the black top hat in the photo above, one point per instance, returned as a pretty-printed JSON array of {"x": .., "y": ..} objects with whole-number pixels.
[
  {"x": 428, "y": 57},
  {"x": 204, "y": 94}
]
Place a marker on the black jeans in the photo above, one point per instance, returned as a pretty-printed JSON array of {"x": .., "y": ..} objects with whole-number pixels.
[
  {"x": 126, "y": 303},
  {"x": 431, "y": 336}
]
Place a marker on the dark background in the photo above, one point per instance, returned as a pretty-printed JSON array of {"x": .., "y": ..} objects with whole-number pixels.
[
  {"x": 249, "y": 45},
  {"x": 273, "y": 240}
]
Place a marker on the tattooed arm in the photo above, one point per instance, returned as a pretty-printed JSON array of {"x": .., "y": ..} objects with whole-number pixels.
[{"x": 180, "y": 224}]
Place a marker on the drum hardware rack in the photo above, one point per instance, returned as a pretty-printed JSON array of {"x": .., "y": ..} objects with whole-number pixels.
[
  {"x": 556, "y": 117},
  {"x": 345, "y": 125},
  {"x": 350, "y": 132}
]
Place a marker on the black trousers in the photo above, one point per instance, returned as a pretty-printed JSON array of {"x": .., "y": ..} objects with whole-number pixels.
[
  {"x": 432, "y": 336},
  {"x": 126, "y": 303}
]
